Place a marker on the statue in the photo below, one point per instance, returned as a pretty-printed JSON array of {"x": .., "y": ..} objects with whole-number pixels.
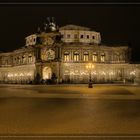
[{"x": 50, "y": 25}]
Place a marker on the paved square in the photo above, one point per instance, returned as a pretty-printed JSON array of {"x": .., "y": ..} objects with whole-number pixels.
[{"x": 69, "y": 109}]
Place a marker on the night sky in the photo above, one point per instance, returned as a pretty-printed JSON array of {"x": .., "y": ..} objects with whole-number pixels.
[{"x": 118, "y": 24}]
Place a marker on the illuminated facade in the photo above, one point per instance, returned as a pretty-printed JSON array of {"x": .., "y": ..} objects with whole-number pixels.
[{"x": 65, "y": 54}]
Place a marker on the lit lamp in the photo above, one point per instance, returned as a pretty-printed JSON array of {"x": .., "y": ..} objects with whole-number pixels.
[
  {"x": 90, "y": 66},
  {"x": 133, "y": 76}
]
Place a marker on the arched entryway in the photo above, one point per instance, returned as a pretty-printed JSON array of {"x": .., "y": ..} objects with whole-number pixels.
[{"x": 46, "y": 73}]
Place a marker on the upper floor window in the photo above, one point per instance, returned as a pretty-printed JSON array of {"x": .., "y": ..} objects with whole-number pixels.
[
  {"x": 68, "y": 35},
  {"x": 15, "y": 60},
  {"x": 75, "y": 36},
  {"x": 86, "y": 56},
  {"x": 94, "y": 57},
  {"x": 117, "y": 57},
  {"x": 62, "y": 36},
  {"x": 66, "y": 56},
  {"x": 6, "y": 62},
  {"x": 93, "y": 37},
  {"x": 87, "y": 36},
  {"x": 30, "y": 58},
  {"x": 19, "y": 60},
  {"x": 122, "y": 57},
  {"x": 23, "y": 59},
  {"x": 103, "y": 57},
  {"x": 82, "y": 36},
  {"x": 76, "y": 56}
]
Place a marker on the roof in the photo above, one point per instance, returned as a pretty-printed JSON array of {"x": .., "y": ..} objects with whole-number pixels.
[{"x": 74, "y": 27}]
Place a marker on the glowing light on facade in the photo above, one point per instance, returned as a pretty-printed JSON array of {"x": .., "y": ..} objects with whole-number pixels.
[
  {"x": 94, "y": 73},
  {"x": 94, "y": 57},
  {"x": 47, "y": 72},
  {"x": 133, "y": 73},
  {"x": 111, "y": 73},
  {"x": 86, "y": 56},
  {"x": 103, "y": 73},
  {"x": 10, "y": 75},
  {"x": 102, "y": 57},
  {"x": 76, "y": 56},
  {"x": 89, "y": 66}
]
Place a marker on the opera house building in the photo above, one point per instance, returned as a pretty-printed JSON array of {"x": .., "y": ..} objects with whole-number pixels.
[{"x": 69, "y": 54}]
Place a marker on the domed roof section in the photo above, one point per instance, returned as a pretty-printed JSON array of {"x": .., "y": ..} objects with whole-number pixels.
[{"x": 74, "y": 27}]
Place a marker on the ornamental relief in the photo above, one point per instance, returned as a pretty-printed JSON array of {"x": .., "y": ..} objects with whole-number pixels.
[
  {"x": 47, "y": 54},
  {"x": 48, "y": 41}
]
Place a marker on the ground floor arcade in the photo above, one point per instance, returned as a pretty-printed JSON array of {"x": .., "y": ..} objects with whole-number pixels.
[{"x": 70, "y": 73}]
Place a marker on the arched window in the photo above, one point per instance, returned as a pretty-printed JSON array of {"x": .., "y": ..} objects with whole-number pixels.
[
  {"x": 86, "y": 56},
  {"x": 75, "y": 36},
  {"x": 68, "y": 35},
  {"x": 102, "y": 57},
  {"x": 82, "y": 36},
  {"x": 94, "y": 57},
  {"x": 121, "y": 57},
  {"x": 117, "y": 57},
  {"x": 15, "y": 60},
  {"x": 87, "y": 36},
  {"x": 30, "y": 58},
  {"x": 76, "y": 56},
  {"x": 19, "y": 60},
  {"x": 6, "y": 62},
  {"x": 23, "y": 59},
  {"x": 62, "y": 35},
  {"x": 66, "y": 56}
]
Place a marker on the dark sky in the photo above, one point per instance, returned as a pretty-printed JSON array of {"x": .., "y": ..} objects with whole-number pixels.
[{"x": 118, "y": 24}]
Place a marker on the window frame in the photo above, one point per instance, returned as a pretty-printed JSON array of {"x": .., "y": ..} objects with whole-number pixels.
[
  {"x": 86, "y": 56},
  {"x": 76, "y": 56},
  {"x": 66, "y": 56}
]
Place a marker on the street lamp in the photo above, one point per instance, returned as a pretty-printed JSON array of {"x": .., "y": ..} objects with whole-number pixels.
[{"x": 90, "y": 66}]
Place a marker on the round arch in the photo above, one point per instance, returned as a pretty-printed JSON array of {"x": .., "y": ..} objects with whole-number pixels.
[{"x": 46, "y": 73}]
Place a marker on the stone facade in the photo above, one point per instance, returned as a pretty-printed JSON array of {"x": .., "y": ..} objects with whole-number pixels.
[{"x": 64, "y": 55}]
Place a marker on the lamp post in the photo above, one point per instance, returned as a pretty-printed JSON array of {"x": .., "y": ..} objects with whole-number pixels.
[
  {"x": 90, "y": 66},
  {"x": 133, "y": 76}
]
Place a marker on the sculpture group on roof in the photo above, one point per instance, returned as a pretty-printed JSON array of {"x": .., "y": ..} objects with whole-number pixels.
[{"x": 49, "y": 25}]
